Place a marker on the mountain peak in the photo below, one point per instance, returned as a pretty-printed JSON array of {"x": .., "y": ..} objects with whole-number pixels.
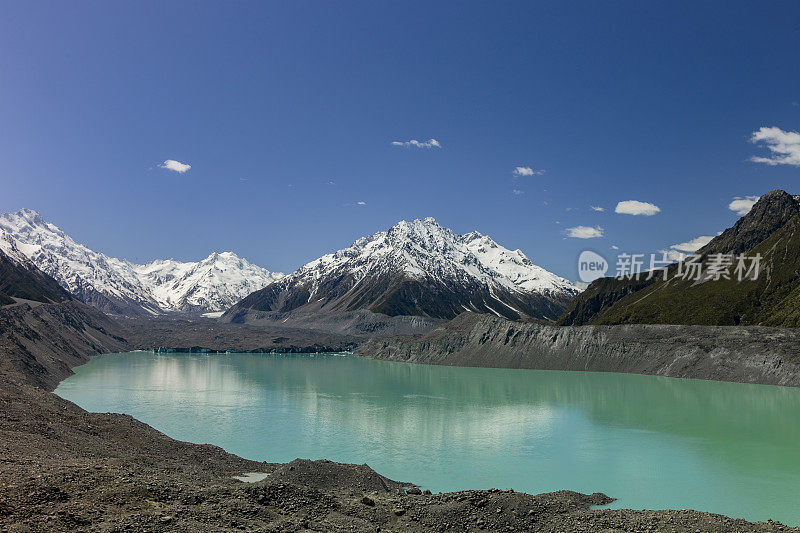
[
  {"x": 775, "y": 193},
  {"x": 29, "y": 216},
  {"x": 223, "y": 257},
  {"x": 420, "y": 268},
  {"x": 28, "y": 213},
  {"x": 417, "y": 224},
  {"x": 769, "y": 213}
]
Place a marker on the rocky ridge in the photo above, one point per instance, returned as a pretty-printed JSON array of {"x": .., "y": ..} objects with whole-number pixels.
[{"x": 768, "y": 356}]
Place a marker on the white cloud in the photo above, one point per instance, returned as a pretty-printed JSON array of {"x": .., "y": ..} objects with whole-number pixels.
[
  {"x": 784, "y": 145},
  {"x": 527, "y": 171},
  {"x": 693, "y": 245},
  {"x": 517, "y": 192},
  {"x": 635, "y": 207},
  {"x": 175, "y": 166},
  {"x": 741, "y": 205},
  {"x": 614, "y": 247},
  {"x": 523, "y": 171},
  {"x": 430, "y": 143},
  {"x": 585, "y": 232},
  {"x": 597, "y": 208},
  {"x": 361, "y": 203}
]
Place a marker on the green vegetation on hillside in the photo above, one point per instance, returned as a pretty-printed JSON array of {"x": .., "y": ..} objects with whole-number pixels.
[{"x": 771, "y": 229}]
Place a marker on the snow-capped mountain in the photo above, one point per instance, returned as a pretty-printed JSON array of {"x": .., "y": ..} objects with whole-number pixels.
[
  {"x": 418, "y": 268},
  {"x": 119, "y": 286},
  {"x": 213, "y": 284},
  {"x": 20, "y": 279}
]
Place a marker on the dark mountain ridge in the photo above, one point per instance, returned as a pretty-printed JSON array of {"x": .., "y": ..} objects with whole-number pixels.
[{"x": 770, "y": 230}]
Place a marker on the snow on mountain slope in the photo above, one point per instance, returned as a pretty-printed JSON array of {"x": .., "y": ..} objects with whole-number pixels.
[
  {"x": 119, "y": 286},
  {"x": 105, "y": 282},
  {"x": 9, "y": 247},
  {"x": 516, "y": 269},
  {"x": 425, "y": 249},
  {"x": 420, "y": 268},
  {"x": 20, "y": 279},
  {"x": 212, "y": 285}
]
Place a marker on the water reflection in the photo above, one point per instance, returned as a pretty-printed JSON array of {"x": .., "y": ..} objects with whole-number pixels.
[{"x": 652, "y": 442}]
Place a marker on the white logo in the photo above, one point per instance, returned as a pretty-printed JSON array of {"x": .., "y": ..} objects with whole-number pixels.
[{"x": 591, "y": 266}]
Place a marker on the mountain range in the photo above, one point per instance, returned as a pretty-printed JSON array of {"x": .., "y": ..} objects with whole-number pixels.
[
  {"x": 118, "y": 286},
  {"x": 770, "y": 230},
  {"x": 417, "y": 268}
]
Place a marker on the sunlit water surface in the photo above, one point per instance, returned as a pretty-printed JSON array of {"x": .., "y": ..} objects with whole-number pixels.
[{"x": 651, "y": 442}]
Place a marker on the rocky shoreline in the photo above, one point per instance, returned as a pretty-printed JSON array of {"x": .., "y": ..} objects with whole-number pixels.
[
  {"x": 769, "y": 356},
  {"x": 62, "y": 468}
]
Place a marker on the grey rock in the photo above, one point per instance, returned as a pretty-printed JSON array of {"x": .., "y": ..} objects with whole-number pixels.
[{"x": 751, "y": 354}]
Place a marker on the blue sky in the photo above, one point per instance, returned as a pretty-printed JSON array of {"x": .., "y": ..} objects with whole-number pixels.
[{"x": 287, "y": 111}]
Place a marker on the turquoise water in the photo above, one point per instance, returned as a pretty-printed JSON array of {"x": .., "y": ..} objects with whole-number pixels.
[{"x": 651, "y": 442}]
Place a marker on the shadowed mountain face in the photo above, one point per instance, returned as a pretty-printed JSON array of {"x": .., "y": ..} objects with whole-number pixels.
[
  {"x": 19, "y": 278},
  {"x": 771, "y": 229},
  {"x": 418, "y": 268}
]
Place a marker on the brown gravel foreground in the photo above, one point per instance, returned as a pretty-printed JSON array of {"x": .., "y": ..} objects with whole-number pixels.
[{"x": 63, "y": 469}]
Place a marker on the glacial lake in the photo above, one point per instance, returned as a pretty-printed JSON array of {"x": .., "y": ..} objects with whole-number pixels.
[{"x": 651, "y": 442}]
